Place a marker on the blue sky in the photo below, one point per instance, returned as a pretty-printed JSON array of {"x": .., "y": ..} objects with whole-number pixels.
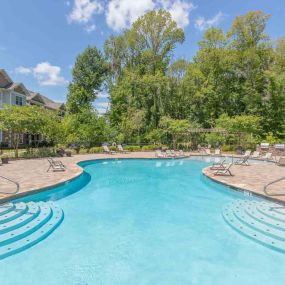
[{"x": 41, "y": 39}]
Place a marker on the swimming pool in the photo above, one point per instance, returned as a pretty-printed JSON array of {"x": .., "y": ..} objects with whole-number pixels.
[{"x": 143, "y": 221}]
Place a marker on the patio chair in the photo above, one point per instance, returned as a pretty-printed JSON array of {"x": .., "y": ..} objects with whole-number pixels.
[
  {"x": 242, "y": 161},
  {"x": 267, "y": 156},
  {"x": 247, "y": 153},
  {"x": 107, "y": 150},
  {"x": 169, "y": 153},
  {"x": 281, "y": 161},
  {"x": 224, "y": 172},
  {"x": 256, "y": 154},
  {"x": 121, "y": 149},
  {"x": 218, "y": 165},
  {"x": 172, "y": 151},
  {"x": 208, "y": 151},
  {"x": 55, "y": 165},
  {"x": 159, "y": 154},
  {"x": 180, "y": 153},
  {"x": 217, "y": 152}
]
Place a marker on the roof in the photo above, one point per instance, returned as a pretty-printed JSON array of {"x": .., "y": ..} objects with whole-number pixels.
[
  {"x": 5, "y": 80},
  {"x": 7, "y": 83},
  {"x": 48, "y": 103}
]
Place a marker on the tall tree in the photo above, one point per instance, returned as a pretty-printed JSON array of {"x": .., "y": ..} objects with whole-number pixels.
[
  {"x": 141, "y": 56},
  {"x": 89, "y": 72}
]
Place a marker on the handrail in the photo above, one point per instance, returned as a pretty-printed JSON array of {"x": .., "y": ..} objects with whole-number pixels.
[
  {"x": 270, "y": 183},
  {"x": 16, "y": 183}
]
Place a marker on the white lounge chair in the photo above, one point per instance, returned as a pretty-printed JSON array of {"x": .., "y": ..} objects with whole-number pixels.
[
  {"x": 121, "y": 149},
  {"x": 225, "y": 172},
  {"x": 159, "y": 154},
  {"x": 267, "y": 156},
  {"x": 107, "y": 150},
  {"x": 218, "y": 165},
  {"x": 256, "y": 154},
  {"x": 180, "y": 153},
  {"x": 281, "y": 161},
  {"x": 208, "y": 151},
  {"x": 217, "y": 152},
  {"x": 55, "y": 165},
  {"x": 169, "y": 153},
  {"x": 247, "y": 153},
  {"x": 242, "y": 161}
]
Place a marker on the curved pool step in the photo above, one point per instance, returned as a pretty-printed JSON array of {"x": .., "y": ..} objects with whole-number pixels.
[
  {"x": 246, "y": 218},
  {"x": 32, "y": 213},
  {"x": 20, "y": 209},
  {"x": 6, "y": 208},
  {"x": 31, "y": 227},
  {"x": 271, "y": 212}
]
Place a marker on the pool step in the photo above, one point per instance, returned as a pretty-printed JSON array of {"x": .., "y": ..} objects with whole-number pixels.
[
  {"x": 34, "y": 223},
  {"x": 258, "y": 221},
  {"x": 20, "y": 209},
  {"x": 32, "y": 213},
  {"x": 6, "y": 208}
]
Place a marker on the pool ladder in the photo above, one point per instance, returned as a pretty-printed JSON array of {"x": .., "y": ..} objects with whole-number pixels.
[
  {"x": 14, "y": 182},
  {"x": 270, "y": 183}
]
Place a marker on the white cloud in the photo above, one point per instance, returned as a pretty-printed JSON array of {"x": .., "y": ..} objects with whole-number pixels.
[
  {"x": 90, "y": 28},
  {"x": 48, "y": 75},
  {"x": 84, "y": 10},
  {"x": 121, "y": 13},
  {"x": 203, "y": 24},
  {"x": 179, "y": 10},
  {"x": 23, "y": 70},
  {"x": 45, "y": 73}
]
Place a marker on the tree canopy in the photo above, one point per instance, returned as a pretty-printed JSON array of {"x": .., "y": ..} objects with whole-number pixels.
[{"x": 236, "y": 80}]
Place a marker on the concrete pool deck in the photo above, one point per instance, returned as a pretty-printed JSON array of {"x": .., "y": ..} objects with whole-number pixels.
[
  {"x": 33, "y": 177},
  {"x": 253, "y": 178}
]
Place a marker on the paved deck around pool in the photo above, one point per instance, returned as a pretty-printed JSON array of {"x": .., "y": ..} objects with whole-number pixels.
[
  {"x": 253, "y": 178},
  {"x": 32, "y": 174}
]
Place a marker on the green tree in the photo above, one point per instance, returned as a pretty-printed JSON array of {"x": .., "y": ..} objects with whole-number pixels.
[
  {"x": 86, "y": 128},
  {"x": 173, "y": 128},
  {"x": 139, "y": 58},
  {"x": 89, "y": 72},
  {"x": 20, "y": 120}
]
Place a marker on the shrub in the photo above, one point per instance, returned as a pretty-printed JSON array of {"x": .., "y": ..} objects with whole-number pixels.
[
  {"x": 151, "y": 147},
  {"x": 271, "y": 139},
  {"x": 184, "y": 146},
  {"x": 40, "y": 152},
  {"x": 132, "y": 148},
  {"x": 97, "y": 149},
  {"x": 70, "y": 150},
  {"x": 226, "y": 148},
  {"x": 83, "y": 150}
]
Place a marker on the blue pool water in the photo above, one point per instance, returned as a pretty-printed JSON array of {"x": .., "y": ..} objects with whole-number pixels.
[{"x": 143, "y": 222}]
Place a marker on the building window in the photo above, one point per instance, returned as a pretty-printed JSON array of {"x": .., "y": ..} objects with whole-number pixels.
[{"x": 19, "y": 101}]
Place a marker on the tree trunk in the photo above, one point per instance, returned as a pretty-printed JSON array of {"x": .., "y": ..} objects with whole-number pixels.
[{"x": 15, "y": 142}]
